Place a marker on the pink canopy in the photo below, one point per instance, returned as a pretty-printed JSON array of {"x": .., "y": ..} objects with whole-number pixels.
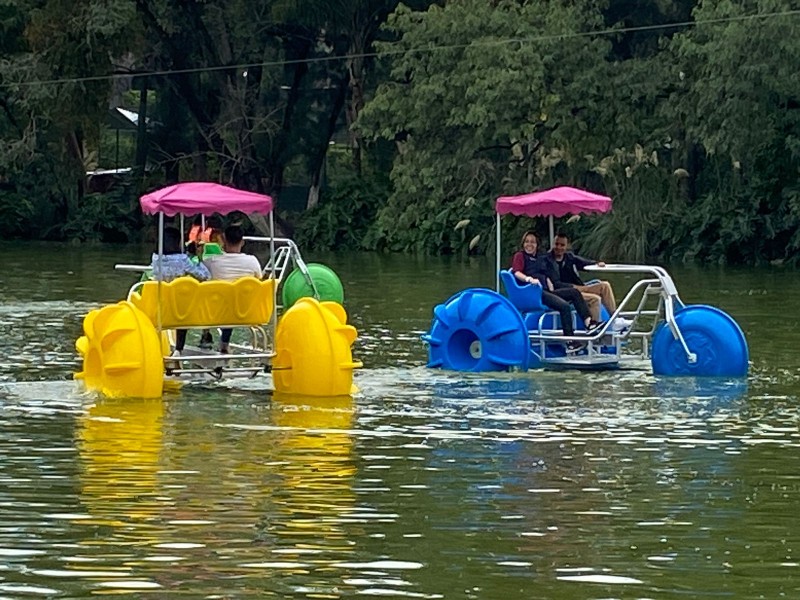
[
  {"x": 200, "y": 197},
  {"x": 555, "y": 202}
]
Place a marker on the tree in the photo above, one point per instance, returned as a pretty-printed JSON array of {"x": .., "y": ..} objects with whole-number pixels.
[
  {"x": 741, "y": 103},
  {"x": 52, "y": 100},
  {"x": 484, "y": 98}
]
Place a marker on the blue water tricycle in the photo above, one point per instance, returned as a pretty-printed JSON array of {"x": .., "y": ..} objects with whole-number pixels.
[{"x": 479, "y": 329}]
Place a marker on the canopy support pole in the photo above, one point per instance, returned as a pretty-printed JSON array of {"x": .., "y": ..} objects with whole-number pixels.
[
  {"x": 274, "y": 316},
  {"x": 497, "y": 256},
  {"x": 160, "y": 272},
  {"x": 552, "y": 234}
]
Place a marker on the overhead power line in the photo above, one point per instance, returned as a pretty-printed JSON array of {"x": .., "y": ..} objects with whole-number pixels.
[{"x": 399, "y": 51}]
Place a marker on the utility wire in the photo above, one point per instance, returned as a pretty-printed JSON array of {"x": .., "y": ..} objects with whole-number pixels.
[{"x": 399, "y": 51}]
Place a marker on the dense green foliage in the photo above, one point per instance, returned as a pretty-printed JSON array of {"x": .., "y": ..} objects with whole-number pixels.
[
  {"x": 690, "y": 129},
  {"x": 686, "y": 113},
  {"x": 476, "y": 116},
  {"x": 346, "y": 218}
]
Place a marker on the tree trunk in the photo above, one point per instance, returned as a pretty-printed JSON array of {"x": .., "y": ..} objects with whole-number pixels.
[
  {"x": 75, "y": 150},
  {"x": 355, "y": 68},
  {"x": 282, "y": 227},
  {"x": 141, "y": 129},
  {"x": 319, "y": 158},
  {"x": 297, "y": 49}
]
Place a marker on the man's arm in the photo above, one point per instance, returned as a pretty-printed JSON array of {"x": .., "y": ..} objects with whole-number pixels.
[{"x": 582, "y": 262}]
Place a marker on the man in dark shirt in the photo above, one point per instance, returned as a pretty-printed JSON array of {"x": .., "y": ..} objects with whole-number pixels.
[{"x": 568, "y": 264}]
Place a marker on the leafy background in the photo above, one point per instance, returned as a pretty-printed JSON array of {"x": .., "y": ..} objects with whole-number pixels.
[{"x": 393, "y": 127}]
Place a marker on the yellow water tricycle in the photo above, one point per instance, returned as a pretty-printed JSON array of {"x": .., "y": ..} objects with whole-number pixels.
[{"x": 126, "y": 346}]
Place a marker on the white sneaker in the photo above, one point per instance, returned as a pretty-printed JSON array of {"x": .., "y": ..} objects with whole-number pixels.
[
  {"x": 621, "y": 324},
  {"x": 173, "y": 364}
]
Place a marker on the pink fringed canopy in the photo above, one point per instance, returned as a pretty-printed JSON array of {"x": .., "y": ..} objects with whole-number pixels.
[
  {"x": 205, "y": 198},
  {"x": 555, "y": 202}
]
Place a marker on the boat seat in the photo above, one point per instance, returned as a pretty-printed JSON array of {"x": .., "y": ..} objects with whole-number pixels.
[
  {"x": 186, "y": 302},
  {"x": 526, "y": 297}
]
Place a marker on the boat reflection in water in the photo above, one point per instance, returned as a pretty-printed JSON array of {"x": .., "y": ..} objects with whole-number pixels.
[
  {"x": 180, "y": 493},
  {"x": 120, "y": 444},
  {"x": 701, "y": 394},
  {"x": 315, "y": 464}
]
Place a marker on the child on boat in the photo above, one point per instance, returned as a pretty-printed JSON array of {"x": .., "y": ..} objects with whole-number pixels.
[
  {"x": 205, "y": 239},
  {"x": 200, "y": 234}
]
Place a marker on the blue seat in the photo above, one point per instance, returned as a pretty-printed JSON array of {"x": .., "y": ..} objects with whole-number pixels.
[{"x": 526, "y": 297}]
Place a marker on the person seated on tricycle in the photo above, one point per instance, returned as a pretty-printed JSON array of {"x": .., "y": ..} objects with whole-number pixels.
[
  {"x": 530, "y": 267},
  {"x": 173, "y": 264}
]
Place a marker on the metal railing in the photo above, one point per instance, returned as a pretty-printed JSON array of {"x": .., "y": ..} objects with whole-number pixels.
[{"x": 636, "y": 306}]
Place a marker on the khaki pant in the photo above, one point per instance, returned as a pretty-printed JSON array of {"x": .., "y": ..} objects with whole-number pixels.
[{"x": 596, "y": 293}]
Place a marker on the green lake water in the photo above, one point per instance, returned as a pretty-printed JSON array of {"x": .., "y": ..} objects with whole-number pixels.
[{"x": 427, "y": 484}]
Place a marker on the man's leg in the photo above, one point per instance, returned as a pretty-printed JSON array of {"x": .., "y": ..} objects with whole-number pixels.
[
  {"x": 224, "y": 340},
  {"x": 602, "y": 289},
  {"x": 550, "y": 300},
  {"x": 180, "y": 339},
  {"x": 593, "y": 302},
  {"x": 180, "y": 343}
]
